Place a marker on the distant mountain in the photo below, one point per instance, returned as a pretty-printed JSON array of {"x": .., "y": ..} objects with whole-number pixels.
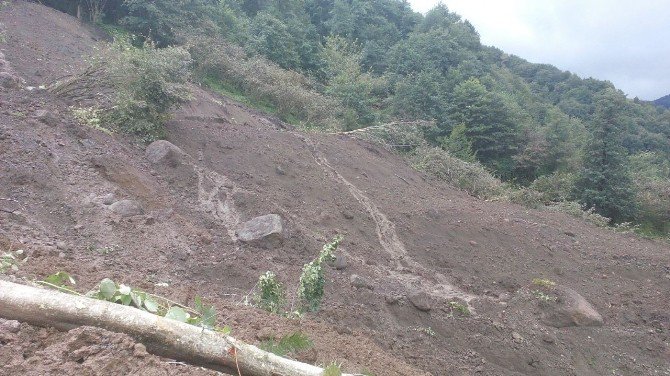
[{"x": 663, "y": 101}]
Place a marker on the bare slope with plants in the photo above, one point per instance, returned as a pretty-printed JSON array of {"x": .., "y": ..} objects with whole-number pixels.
[{"x": 430, "y": 280}]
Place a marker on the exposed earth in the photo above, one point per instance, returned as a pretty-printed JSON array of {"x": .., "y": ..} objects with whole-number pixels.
[{"x": 416, "y": 251}]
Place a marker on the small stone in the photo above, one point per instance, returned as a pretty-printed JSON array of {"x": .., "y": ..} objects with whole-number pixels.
[
  {"x": 108, "y": 199},
  {"x": 280, "y": 171},
  {"x": 360, "y": 282},
  {"x": 548, "y": 338},
  {"x": 340, "y": 262},
  {"x": 46, "y": 117},
  {"x": 473, "y": 243},
  {"x": 139, "y": 350},
  {"x": 61, "y": 245},
  {"x": 149, "y": 220},
  {"x": 422, "y": 301},
  {"x": 569, "y": 233},
  {"x": 265, "y": 333},
  {"x": 9, "y": 81},
  {"x": 517, "y": 337},
  {"x": 11, "y": 326},
  {"x": 392, "y": 299},
  {"x": 126, "y": 208},
  {"x": 61, "y": 254}
]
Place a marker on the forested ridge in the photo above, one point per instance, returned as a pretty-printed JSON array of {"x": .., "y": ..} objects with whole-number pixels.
[{"x": 349, "y": 64}]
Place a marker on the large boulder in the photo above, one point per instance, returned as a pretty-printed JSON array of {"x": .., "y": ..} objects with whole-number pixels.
[
  {"x": 569, "y": 308},
  {"x": 263, "y": 230},
  {"x": 127, "y": 208},
  {"x": 164, "y": 152}
]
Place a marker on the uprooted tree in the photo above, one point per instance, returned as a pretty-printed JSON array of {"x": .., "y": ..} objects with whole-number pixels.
[{"x": 162, "y": 336}]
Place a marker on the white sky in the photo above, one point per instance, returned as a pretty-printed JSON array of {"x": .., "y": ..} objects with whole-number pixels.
[{"x": 623, "y": 41}]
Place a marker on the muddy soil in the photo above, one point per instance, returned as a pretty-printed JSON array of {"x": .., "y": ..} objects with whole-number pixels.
[{"x": 418, "y": 252}]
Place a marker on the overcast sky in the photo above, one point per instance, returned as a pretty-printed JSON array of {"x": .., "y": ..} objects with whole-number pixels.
[{"x": 623, "y": 41}]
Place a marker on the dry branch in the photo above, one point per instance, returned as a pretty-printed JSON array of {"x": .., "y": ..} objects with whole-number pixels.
[{"x": 161, "y": 336}]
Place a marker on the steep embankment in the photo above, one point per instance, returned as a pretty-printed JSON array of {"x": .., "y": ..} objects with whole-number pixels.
[{"x": 412, "y": 246}]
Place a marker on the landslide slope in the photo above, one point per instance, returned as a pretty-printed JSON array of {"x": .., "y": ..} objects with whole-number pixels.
[{"x": 414, "y": 247}]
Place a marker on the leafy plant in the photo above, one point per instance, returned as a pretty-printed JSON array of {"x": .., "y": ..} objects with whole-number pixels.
[
  {"x": 456, "y": 307},
  {"x": 312, "y": 281},
  {"x": 10, "y": 260},
  {"x": 108, "y": 290},
  {"x": 543, "y": 282},
  {"x": 271, "y": 296},
  {"x": 288, "y": 344},
  {"x": 544, "y": 297},
  {"x": 333, "y": 369}
]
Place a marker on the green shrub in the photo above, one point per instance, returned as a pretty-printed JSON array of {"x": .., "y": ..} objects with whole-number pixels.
[
  {"x": 312, "y": 281},
  {"x": 471, "y": 177},
  {"x": 149, "y": 83},
  {"x": 575, "y": 209},
  {"x": 292, "y": 96},
  {"x": 271, "y": 295}
]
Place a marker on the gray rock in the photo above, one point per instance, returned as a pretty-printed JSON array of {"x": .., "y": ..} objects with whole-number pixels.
[
  {"x": 127, "y": 208},
  {"x": 569, "y": 309},
  {"x": 107, "y": 199},
  {"x": 10, "y": 326},
  {"x": 340, "y": 262},
  {"x": 266, "y": 229},
  {"x": 360, "y": 282},
  {"x": 9, "y": 81},
  {"x": 422, "y": 301},
  {"x": 164, "y": 152},
  {"x": 46, "y": 117}
]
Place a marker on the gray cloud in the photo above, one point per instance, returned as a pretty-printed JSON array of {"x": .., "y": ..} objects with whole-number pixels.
[{"x": 617, "y": 40}]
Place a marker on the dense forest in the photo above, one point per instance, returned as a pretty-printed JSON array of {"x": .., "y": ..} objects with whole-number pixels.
[
  {"x": 663, "y": 101},
  {"x": 349, "y": 64}
]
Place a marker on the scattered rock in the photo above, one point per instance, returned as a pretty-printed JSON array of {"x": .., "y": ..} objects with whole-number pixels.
[
  {"x": 107, "y": 199},
  {"x": 473, "y": 243},
  {"x": 10, "y": 326},
  {"x": 61, "y": 245},
  {"x": 164, "y": 152},
  {"x": 360, "y": 282},
  {"x": 569, "y": 233},
  {"x": 139, "y": 350},
  {"x": 266, "y": 228},
  {"x": 570, "y": 309},
  {"x": 340, "y": 262},
  {"x": 9, "y": 81},
  {"x": 422, "y": 301},
  {"x": 548, "y": 338},
  {"x": 516, "y": 337},
  {"x": 265, "y": 333},
  {"x": 127, "y": 208},
  {"x": 280, "y": 171},
  {"x": 46, "y": 117}
]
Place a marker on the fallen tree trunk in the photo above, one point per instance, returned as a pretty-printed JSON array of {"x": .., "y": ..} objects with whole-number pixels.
[{"x": 161, "y": 336}]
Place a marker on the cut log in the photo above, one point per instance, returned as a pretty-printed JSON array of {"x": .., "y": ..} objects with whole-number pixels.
[{"x": 161, "y": 336}]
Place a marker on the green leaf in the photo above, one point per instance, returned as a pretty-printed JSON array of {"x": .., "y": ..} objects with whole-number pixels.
[
  {"x": 107, "y": 288},
  {"x": 124, "y": 290},
  {"x": 150, "y": 305},
  {"x": 137, "y": 299},
  {"x": 60, "y": 279},
  {"x": 177, "y": 313},
  {"x": 198, "y": 304},
  {"x": 208, "y": 317},
  {"x": 124, "y": 299},
  {"x": 226, "y": 330}
]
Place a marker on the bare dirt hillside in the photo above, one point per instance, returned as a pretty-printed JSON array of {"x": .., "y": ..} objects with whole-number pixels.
[{"x": 414, "y": 249}]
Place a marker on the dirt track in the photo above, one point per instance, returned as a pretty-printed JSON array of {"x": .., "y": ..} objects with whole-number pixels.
[{"x": 404, "y": 234}]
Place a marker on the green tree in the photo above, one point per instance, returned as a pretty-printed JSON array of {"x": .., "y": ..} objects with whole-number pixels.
[
  {"x": 489, "y": 123},
  {"x": 458, "y": 144},
  {"x": 604, "y": 181}
]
